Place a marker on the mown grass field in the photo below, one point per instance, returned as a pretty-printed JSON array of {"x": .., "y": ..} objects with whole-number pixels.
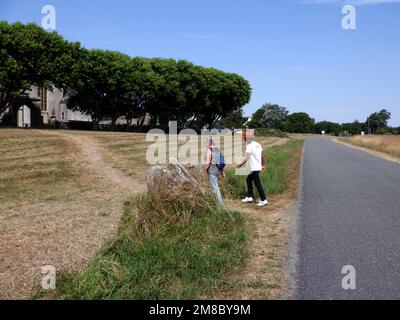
[
  {"x": 389, "y": 144},
  {"x": 54, "y": 208},
  {"x": 59, "y": 207},
  {"x": 195, "y": 249},
  {"x": 127, "y": 152}
]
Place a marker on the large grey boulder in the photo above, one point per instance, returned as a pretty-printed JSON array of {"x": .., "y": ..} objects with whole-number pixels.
[{"x": 173, "y": 178}]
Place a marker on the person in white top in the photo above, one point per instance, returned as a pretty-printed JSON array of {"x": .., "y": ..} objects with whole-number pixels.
[{"x": 255, "y": 158}]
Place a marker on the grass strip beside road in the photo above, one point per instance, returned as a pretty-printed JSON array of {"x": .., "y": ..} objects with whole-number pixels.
[
  {"x": 280, "y": 161},
  {"x": 183, "y": 247}
]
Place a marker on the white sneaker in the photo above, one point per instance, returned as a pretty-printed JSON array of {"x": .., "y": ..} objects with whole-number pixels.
[
  {"x": 248, "y": 200},
  {"x": 262, "y": 203}
]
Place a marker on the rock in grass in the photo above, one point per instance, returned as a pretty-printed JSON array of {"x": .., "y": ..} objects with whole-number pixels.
[{"x": 174, "y": 177}]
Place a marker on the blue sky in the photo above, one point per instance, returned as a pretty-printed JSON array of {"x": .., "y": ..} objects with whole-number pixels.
[{"x": 294, "y": 52}]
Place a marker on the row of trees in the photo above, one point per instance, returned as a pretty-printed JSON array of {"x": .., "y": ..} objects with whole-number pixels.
[
  {"x": 109, "y": 84},
  {"x": 272, "y": 116},
  {"x": 376, "y": 123},
  {"x": 30, "y": 56}
]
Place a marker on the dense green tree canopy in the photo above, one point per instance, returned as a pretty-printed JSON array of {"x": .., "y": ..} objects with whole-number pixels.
[
  {"x": 101, "y": 87},
  {"x": 107, "y": 84},
  {"x": 139, "y": 89},
  {"x": 186, "y": 92},
  {"x": 300, "y": 122},
  {"x": 256, "y": 119},
  {"x": 274, "y": 117},
  {"x": 354, "y": 127},
  {"x": 378, "y": 120},
  {"x": 270, "y": 116},
  {"x": 235, "y": 120},
  {"x": 328, "y": 127},
  {"x": 31, "y": 56},
  {"x": 335, "y": 128}
]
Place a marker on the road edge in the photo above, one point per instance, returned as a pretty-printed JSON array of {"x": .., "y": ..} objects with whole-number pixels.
[
  {"x": 372, "y": 152},
  {"x": 293, "y": 255}
]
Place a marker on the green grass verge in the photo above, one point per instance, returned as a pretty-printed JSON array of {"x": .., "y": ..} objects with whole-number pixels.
[
  {"x": 172, "y": 247},
  {"x": 280, "y": 162},
  {"x": 167, "y": 248}
]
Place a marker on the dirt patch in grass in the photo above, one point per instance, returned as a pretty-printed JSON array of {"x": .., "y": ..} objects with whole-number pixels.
[
  {"x": 59, "y": 204},
  {"x": 92, "y": 152}
]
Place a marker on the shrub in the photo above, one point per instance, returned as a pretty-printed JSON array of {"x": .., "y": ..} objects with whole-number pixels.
[{"x": 384, "y": 131}]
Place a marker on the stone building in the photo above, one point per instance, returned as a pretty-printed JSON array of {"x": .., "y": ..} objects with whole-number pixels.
[
  {"x": 42, "y": 107},
  {"x": 47, "y": 107}
]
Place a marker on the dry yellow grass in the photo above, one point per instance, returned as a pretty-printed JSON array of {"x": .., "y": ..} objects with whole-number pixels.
[
  {"x": 383, "y": 143},
  {"x": 57, "y": 207},
  {"x": 62, "y": 194},
  {"x": 127, "y": 151}
]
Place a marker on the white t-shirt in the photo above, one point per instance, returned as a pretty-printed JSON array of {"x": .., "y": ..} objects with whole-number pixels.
[{"x": 254, "y": 149}]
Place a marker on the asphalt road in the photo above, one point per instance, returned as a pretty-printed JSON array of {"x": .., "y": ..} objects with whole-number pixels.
[{"x": 349, "y": 215}]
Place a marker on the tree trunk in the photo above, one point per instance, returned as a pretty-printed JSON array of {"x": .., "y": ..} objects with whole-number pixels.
[
  {"x": 140, "y": 127},
  {"x": 13, "y": 115},
  {"x": 95, "y": 123},
  {"x": 113, "y": 122},
  {"x": 215, "y": 120},
  {"x": 3, "y": 102},
  {"x": 128, "y": 123}
]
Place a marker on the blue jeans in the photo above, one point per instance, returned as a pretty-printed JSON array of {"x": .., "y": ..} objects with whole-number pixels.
[{"x": 215, "y": 186}]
